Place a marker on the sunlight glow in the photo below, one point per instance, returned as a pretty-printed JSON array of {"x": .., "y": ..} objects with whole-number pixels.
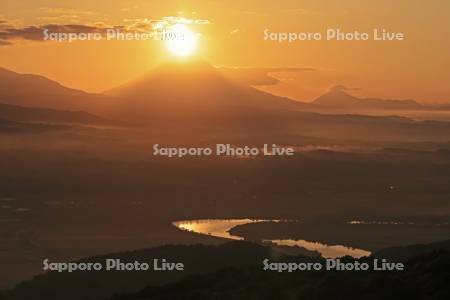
[{"x": 181, "y": 41}]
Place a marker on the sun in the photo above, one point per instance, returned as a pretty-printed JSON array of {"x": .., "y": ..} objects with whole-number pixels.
[{"x": 181, "y": 41}]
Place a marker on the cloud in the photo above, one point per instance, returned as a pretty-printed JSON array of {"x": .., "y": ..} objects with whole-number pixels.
[
  {"x": 36, "y": 33},
  {"x": 10, "y": 33},
  {"x": 160, "y": 24},
  {"x": 140, "y": 25},
  {"x": 258, "y": 76},
  {"x": 171, "y": 20}
]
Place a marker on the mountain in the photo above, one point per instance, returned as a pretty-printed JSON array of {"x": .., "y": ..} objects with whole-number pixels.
[
  {"x": 188, "y": 92},
  {"x": 338, "y": 98},
  {"x": 195, "y": 83},
  {"x": 38, "y": 91},
  {"x": 192, "y": 95},
  {"x": 46, "y": 115}
]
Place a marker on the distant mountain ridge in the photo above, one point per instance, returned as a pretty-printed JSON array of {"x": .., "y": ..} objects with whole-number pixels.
[
  {"x": 194, "y": 96},
  {"x": 46, "y": 115},
  {"x": 11, "y": 127},
  {"x": 338, "y": 98},
  {"x": 39, "y": 91},
  {"x": 34, "y": 98}
]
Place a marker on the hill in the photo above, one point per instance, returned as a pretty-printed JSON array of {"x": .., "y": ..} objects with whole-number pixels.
[
  {"x": 426, "y": 277},
  {"x": 103, "y": 284},
  {"x": 234, "y": 271}
]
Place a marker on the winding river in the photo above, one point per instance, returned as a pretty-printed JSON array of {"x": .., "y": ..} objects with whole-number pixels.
[{"x": 221, "y": 227}]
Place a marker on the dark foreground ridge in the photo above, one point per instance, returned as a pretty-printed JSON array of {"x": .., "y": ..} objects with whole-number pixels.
[
  {"x": 427, "y": 277},
  {"x": 235, "y": 271}
]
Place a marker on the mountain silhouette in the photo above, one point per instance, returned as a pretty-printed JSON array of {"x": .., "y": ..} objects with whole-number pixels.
[
  {"x": 38, "y": 91},
  {"x": 12, "y": 127},
  {"x": 207, "y": 275},
  {"x": 46, "y": 115},
  {"x": 337, "y": 97},
  {"x": 104, "y": 284},
  {"x": 195, "y": 83},
  {"x": 193, "y": 93}
]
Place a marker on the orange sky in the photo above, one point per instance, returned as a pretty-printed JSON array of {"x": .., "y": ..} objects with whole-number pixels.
[{"x": 417, "y": 67}]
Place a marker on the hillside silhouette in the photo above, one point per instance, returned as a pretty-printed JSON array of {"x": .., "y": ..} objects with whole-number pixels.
[
  {"x": 426, "y": 278},
  {"x": 48, "y": 115},
  {"x": 195, "y": 96},
  {"x": 234, "y": 271},
  {"x": 39, "y": 91},
  {"x": 337, "y": 97}
]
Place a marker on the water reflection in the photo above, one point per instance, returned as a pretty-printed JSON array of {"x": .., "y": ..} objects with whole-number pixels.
[
  {"x": 221, "y": 227},
  {"x": 327, "y": 251},
  {"x": 216, "y": 227}
]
